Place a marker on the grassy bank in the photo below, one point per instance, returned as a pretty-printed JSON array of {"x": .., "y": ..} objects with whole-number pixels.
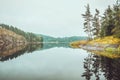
[
  {"x": 110, "y": 46},
  {"x": 106, "y": 42}
]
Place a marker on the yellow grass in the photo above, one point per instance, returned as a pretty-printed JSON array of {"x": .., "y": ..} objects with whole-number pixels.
[
  {"x": 106, "y": 40},
  {"x": 77, "y": 44},
  {"x": 109, "y": 52}
]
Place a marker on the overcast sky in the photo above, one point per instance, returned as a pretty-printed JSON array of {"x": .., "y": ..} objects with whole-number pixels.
[{"x": 50, "y": 17}]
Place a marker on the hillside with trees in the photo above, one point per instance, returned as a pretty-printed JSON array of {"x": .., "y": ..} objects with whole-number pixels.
[
  {"x": 50, "y": 39},
  {"x": 29, "y": 36},
  {"x": 13, "y": 37},
  {"x": 14, "y": 40},
  {"x": 9, "y": 39}
]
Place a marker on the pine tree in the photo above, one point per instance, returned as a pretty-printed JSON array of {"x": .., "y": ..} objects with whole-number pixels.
[
  {"x": 87, "y": 24},
  {"x": 107, "y": 23},
  {"x": 116, "y": 15},
  {"x": 96, "y": 24}
]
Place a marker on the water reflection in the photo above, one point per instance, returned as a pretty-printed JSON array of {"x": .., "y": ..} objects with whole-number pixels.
[
  {"x": 97, "y": 66},
  {"x": 13, "y": 51}
]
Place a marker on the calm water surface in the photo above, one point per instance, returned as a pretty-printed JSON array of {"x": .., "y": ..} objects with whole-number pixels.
[{"x": 58, "y": 63}]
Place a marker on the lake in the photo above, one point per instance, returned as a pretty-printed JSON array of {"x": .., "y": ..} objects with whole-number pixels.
[{"x": 57, "y": 61}]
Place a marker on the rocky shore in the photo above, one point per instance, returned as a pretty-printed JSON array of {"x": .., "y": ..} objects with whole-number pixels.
[
  {"x": 10, "y": 39},
  {"x": 99, "y": 47},
  {"x": 109, "y": 47},
  {"x": 109, "y": 43}
]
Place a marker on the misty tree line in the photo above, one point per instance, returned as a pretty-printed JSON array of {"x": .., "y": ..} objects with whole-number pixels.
[
  {"x": 30, "y": 37},
  {"x": 106, "y": 25}
]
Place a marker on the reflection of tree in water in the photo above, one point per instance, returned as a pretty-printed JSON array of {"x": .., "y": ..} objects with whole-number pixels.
[
  {"x": 92, "y": 67},
  {"x": 16, "y": 51},
  {"x": 87, "y": 67},
  {"x": 96, "y": 65},
  {"x": 111, "y": 68},
  {"x": 13, "y": 51},
  {"x": 52, "y": 45}
]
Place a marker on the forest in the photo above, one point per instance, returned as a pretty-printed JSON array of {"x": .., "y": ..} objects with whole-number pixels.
[
  {"x": 104, "y": 25},
  {"x": 103, "y": 30}
]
